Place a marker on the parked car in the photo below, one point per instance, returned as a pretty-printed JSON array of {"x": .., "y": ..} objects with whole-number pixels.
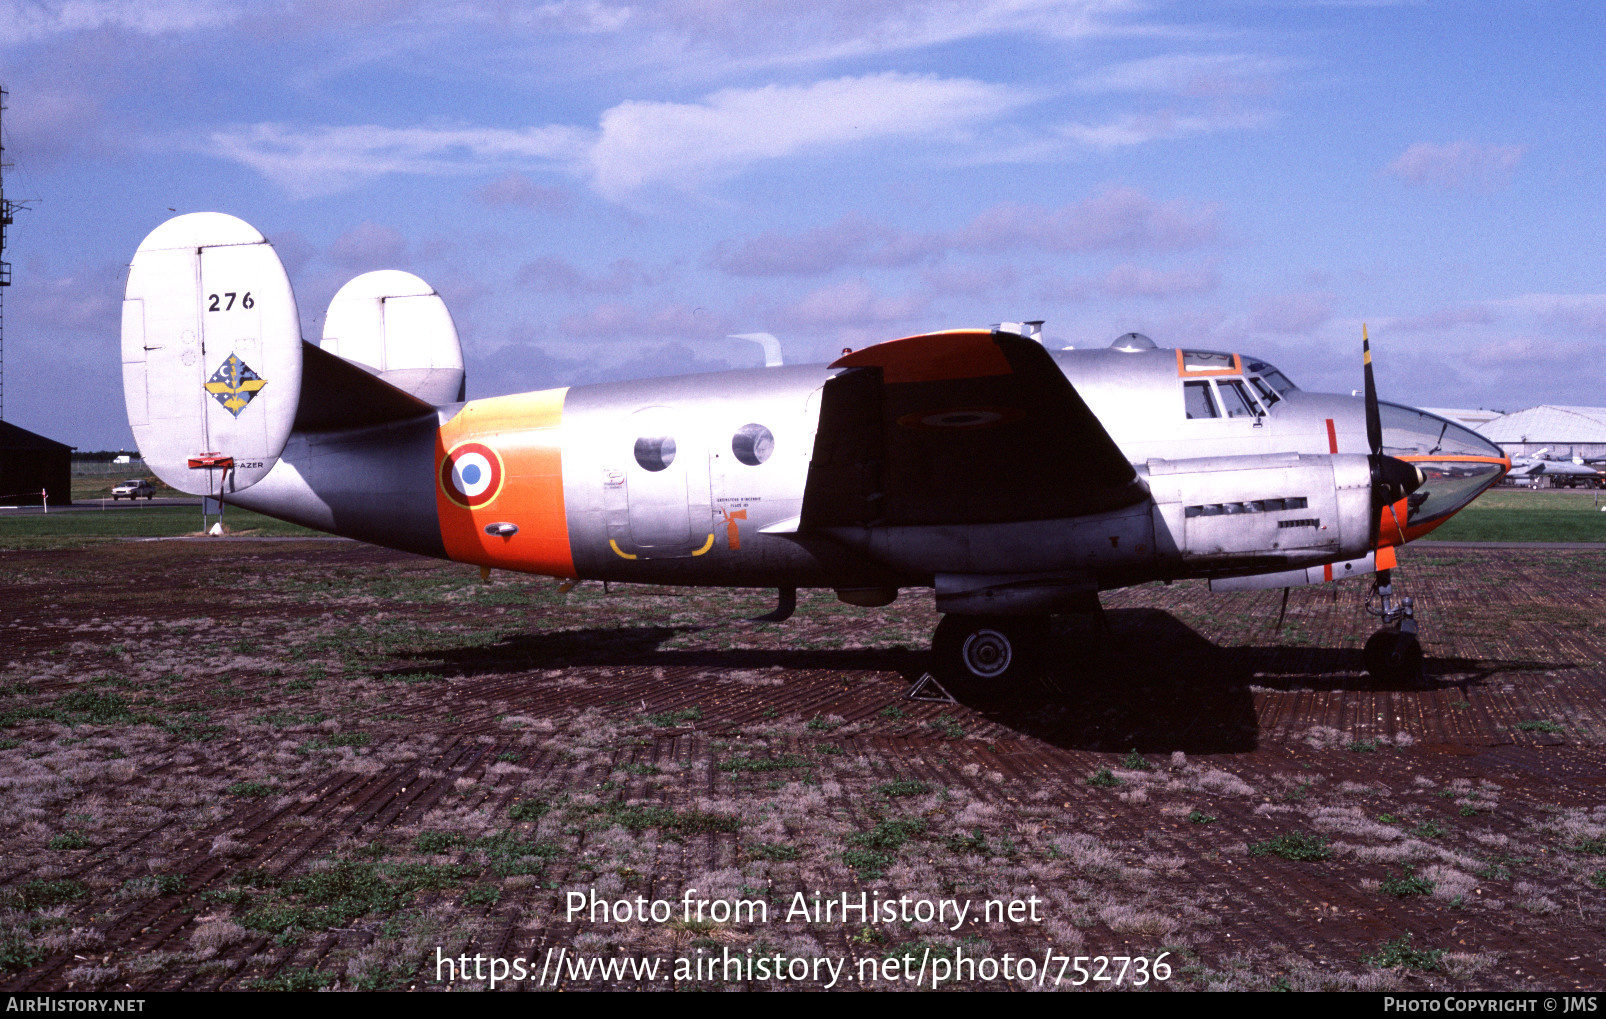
[{"x": 134, "y": 489}]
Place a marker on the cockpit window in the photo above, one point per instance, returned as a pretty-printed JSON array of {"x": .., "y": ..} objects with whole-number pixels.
[
  {"x": 1235, "y": 398},
  {"x": 1195, "y": 362},
  {"x": 1279, "y": 382},
  {"x": 1198, "y": 401},
  {"x": 1268, "y": 395}
]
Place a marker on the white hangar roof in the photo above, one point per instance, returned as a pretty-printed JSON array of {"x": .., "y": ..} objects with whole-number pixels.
[{"x": 1549, "y": 424}]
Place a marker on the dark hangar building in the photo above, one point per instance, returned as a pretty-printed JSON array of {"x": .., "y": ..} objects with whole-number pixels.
[{"x": 30, "y": 464}]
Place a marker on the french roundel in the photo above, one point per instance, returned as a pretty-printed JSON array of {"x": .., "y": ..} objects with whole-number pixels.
[{"x": 471, "y": 475}]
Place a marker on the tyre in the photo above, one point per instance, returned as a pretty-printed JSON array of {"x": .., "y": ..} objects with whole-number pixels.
[
  {"x": 1394, "y": 658},
  {"x": 985, "y": 654}
]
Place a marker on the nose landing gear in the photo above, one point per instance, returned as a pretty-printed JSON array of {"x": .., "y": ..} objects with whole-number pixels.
[{"x": 1393, "y": 654}]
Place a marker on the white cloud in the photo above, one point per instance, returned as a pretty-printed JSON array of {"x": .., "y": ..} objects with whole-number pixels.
[
  {"x": 1188, "y": 74},
  {"x": 1456, "y": 164},
  {"x": 638, "y": 144},
  {"x": 767, "y": 33},
  {"x": 1141, "y": 128},
  {"x": 644, "y": 143},
  {"x": 31, "y": 20},
  {"x": 326, "y": 160}
]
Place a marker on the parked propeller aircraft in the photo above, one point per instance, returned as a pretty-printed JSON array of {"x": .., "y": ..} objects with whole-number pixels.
[{"x": 1015, "y": 481}]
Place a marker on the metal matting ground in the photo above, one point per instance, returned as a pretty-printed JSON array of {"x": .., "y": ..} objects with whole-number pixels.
[{"x": 290, "y": 765}]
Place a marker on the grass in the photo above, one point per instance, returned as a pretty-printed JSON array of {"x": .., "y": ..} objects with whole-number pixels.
[
  {"x": 1293, "y": 846},
  {"x": 161, "y": 884},
  {"x": 669, "y": 719},
  {"x": 1590, "y": 847},
  {"x": 781, "y": 763},
  {"x": 1104, "y": 778},
  {"x": 1401, "y": 953},
  {"x": 1540, "y": 725},
  {"x": 41, "y": 893},
  {"x": 1406, "y": 885},
  {"x": 871, "y": 853},
  {"x": 675, "y": 824},
  {"x": 1520, "y": 515},
  {"x": 903, "y": 787},
  {"x": 17, "y": 954},
  {"x": 295, "y": 978},
  {"x": 1135, "y": 761},
  {"x": 355, "y": 623},
  {"x": 18, "y": 529},
  {"x": 346, "y": 892},
  {"x": 528, "y": 810}
]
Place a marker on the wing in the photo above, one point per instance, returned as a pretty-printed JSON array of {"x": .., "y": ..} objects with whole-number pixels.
[{"x": 964, "y": 427}]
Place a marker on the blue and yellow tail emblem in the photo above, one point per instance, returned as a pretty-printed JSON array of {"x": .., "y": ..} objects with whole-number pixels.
[{"x": 234, "y": 384}]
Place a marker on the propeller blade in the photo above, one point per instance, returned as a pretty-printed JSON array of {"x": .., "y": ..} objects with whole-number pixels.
[{"x": 1374, "y": 421}]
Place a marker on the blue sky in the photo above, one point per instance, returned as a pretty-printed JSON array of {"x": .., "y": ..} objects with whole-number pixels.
[{"x": 606, "y": 190}]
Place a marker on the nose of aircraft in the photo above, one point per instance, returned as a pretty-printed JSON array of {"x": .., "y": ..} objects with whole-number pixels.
[{"x": 1456, "y": 464}]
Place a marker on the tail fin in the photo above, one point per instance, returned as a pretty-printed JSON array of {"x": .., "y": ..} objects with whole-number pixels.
[
  {"x": 396, "y": 326},
  {"x": 212, "y": 358}
]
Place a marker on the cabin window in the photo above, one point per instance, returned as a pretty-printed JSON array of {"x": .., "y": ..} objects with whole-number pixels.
[
  {"x": 655, "y": 452},
  {"x": 1198, "y": 401},
  {"x": 753, "y": 444},
  {"x": 1235, "y": 398}
]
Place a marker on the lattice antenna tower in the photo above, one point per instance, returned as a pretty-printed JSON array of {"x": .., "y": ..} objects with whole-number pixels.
[{"x": 6, "y": 210}]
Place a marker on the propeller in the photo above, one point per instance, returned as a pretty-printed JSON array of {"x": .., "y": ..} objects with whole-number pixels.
[{"x": 1392, "y": 478}]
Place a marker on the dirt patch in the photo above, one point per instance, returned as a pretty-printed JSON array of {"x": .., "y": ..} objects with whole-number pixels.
[{"x": 297, "y": 765}]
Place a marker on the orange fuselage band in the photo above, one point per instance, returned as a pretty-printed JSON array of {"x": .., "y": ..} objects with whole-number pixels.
[{"x": 499, "y": 462}]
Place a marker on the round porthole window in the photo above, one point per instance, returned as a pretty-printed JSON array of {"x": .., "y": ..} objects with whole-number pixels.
[
  {"x": 753, "y": 444},
  {"x": 655, "y": 452}
]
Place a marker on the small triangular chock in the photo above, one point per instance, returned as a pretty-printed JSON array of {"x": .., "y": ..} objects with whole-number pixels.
[{"x": 928, "y": 691}]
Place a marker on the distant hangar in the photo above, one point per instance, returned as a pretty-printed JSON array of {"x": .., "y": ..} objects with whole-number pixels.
[
  {"x": 1567, "y": 431},
  {"x": 1551, "y": 431},
  {"x": 31, "y": 464}
]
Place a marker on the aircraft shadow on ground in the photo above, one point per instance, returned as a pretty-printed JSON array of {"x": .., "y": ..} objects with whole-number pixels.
[
  {"x": 1148, "y": 682},
  {"x": 615, "y": 647}
]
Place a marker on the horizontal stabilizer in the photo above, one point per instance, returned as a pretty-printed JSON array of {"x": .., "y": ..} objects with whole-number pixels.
[
  {"x": 336, "y": 395},
  {"x": 968, "y": 427}
]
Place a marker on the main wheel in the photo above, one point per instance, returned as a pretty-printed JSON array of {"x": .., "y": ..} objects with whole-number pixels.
[
  {"x": 985, "y": 654},
  {"x": 1394, "y": 657}
]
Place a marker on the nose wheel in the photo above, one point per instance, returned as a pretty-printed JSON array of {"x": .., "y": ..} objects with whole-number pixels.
[
  {"x": 1393, "y": 654},
  {"x": 984, "y": 654}
]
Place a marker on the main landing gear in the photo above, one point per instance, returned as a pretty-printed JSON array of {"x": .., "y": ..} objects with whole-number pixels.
[
  {"x": 1393, "y": 654},
  {"x": 979, "y": 655}
]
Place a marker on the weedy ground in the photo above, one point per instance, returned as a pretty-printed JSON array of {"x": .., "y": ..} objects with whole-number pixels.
[{"x": 294, "y": 765}]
